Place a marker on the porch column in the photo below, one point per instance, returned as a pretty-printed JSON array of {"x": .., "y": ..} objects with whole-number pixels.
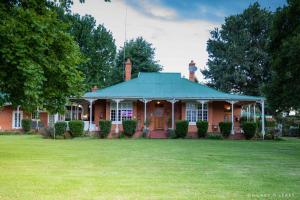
[
  {"x": 254, "y": 112},
  {"x": 232, "y": 116},
  {"x": 71, "y": 112},
  {"x": 117, "y": 114},
  {"x": 173, "y": 101},
  {"x": 91, "y": 113},
  {"x": 145, "y": 111},
  {"x": 263, "y": 118}
]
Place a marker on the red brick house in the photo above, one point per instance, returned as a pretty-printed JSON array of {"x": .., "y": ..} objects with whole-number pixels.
[{"x": 158, "y": 98}]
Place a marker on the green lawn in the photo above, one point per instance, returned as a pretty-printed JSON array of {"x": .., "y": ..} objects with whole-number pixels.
[{"x": 84, "y": 168}]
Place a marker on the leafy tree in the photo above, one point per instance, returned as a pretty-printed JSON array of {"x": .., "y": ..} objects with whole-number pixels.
[
  {"x": 238, "y": 52},
  {"x": 283, "y": 91},
  {"x": 97, "y": 45},
  {"x": 141, "y": 54},
  {"x": 38, "y": 59}
]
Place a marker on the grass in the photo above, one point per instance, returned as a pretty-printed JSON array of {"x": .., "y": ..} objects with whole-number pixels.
[{"x": 83, "y": 168}]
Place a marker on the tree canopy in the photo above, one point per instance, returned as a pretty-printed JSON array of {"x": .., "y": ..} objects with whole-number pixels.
[
  {"x": 142, "y": 56},
  {"x": 98, "y": 47},
  {"x": 38, "y": 58},
  {"x": 283, "y": 91},
  {"x": 239, "y": 61}
]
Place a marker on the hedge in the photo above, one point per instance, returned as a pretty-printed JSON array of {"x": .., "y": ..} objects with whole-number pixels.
[
  {"x": 181, "y": 128},
  {"x": 26, "y": 125},
  {"x": 76, "y": 128},
  {"x": 249, "y": 129},
  {"x": 202, "y": 127},
  {"x": 225, "y": 128},
  {"x": 60, "y": 128},
  {"x": 105, "y": 128},
  {"x": 129, "y": 127}
]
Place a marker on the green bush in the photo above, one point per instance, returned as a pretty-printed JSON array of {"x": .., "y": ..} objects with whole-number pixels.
[
  {"x": 171, "y": 134},
  {"x": 60, "y": 128},
  {"x": 26, "y": 125},
  {"x": 181, "y": 128},
  {"x": 249, "y": 129},
  {"x": 214, "y": 136},
  {"x": 225, "y": 128},
  {"x": 105, "y": 128},
  {"x": 129, "y": 127},
  {"x": 202, "y": 127},
  {"x": 76, "y": 128}
]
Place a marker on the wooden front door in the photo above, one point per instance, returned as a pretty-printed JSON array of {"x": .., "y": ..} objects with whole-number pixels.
[{"x": 159, "y": 116}]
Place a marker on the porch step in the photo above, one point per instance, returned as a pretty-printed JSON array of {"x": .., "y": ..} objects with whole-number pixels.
[{"x": 158, "y": 134}]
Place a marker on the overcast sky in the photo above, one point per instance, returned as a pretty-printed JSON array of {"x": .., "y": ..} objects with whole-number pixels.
[{"x": 178, "y": 29}]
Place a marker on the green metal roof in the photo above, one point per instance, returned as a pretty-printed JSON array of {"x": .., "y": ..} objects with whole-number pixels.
[{"x": 155, "y": 85}]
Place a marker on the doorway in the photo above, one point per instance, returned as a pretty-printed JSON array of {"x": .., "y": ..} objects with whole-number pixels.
[{"x": 159, "y": 116}]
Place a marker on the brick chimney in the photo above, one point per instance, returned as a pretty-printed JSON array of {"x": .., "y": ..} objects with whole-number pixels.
[
  {"x": 192, "y": 70},
  {"x": 94, "y": 89},
  {"x": 128, "y": 66}
]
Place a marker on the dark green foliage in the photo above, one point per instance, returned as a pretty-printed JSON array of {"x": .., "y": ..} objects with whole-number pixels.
[
  {"x": 26, "y": 125},
  {"x": 98, "y": 47},
  {"x": 249, "y": 129},
  {"x": 129, "y": 127},
  {"x": 76, "y": 128},
  {"x": 225, "y": 128},
  {"x": 214, "y": 136},
  {"x": 238, "y": 52},
  {"x": 181, "y": 128},
  {"x": 141, "y": 54},
  {"x": 283, "y": 91},
  {"x": 105, "y": 128},
  {"x": 60, "y": 128},
  {"x": 38, "y": 58},
  {"x": 171, "y": 134},
  {"x": 202, "y": 127}
]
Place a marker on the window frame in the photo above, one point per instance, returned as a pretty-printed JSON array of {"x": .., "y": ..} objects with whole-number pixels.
[
  {"x": 13, "y": 119},
  {"x": 195, "y": 112},
  {"x": 124, "y": 106}
]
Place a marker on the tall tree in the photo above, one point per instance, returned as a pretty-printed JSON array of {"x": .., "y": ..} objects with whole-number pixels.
[
  {"x": 283, "y": 91},
  {"x": 142, "y": 56},
  {"x": 97, "y": 45},
  {"x": 38, "y": 59},
  {"x": 238, "y": 52}
]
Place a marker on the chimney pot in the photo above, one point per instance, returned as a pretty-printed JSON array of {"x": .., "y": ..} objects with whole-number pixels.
[
  {"x": 128, "y": 66},
  {"x": 192, "y": 70}
]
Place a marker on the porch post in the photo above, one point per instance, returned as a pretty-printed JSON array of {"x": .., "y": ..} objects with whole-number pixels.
[
  {"x": 145, "y": 111},
  {"x": 91, "y": 113},
  {"x": 263, "y": 118},
  {"x": 232, "y": 117},
  {"x": 71, "y": 113},
  {"x": 254, "y": 113},
  {"x": 173, "y": 103}
]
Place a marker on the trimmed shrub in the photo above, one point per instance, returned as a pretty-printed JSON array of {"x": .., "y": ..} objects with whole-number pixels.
[
  {"x": 225, "y": 128},
  {"x": 181, "y": 128},
  {"x": 60, "y": 128},
  {"x": 76, "y": 128},
  {"x": 105, "y": 128},
  {"x": 26, "y": 125},
  {"x": 214, "y": 136},
  {"x": 202, "y": 127},
  {"x": 249, "y": 129},
  {"x": 129, "y": 127}
]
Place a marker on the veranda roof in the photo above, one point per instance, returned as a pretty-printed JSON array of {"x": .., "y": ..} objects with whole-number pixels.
[{"x": 155, "y": 85}]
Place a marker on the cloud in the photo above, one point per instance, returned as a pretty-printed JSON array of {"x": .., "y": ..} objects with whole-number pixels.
[{"x": 177, "y": 42}]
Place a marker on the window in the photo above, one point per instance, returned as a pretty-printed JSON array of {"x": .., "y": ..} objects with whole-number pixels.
[
  {"x": 125, "y": 111},
  {"x": 35, "y": 115},
  {"x": 194, "y": 112},
  {"x": 17, "y": 119}
]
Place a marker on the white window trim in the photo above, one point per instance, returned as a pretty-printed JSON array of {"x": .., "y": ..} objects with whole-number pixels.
[
  {"x": 194, "y": 123},
  {"x": 110, "y": 108},
  {"x": 13, "y": 119}
]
